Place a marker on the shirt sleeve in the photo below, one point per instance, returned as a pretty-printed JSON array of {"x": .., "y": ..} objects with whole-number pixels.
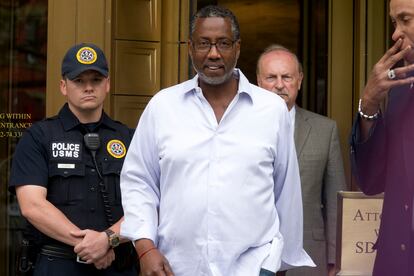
[
  {"x": 288, "y": 198},
  {"x": 30, "y": 165},
  {"x": 140, "y": 182}
]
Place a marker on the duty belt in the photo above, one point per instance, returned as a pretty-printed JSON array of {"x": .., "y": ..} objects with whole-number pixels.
[{"x": 60, "y": 252}]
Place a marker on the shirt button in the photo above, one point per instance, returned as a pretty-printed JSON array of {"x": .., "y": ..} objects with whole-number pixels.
[
  {"x": 403, "y": 247},
  {"x": 92, "y": 170}
]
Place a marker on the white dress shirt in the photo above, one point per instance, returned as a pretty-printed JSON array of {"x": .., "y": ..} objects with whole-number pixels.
[{"x": 213, "y": 196}]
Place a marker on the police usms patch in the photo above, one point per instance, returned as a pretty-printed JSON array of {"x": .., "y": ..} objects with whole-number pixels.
[
  {"x": 116, "y": 148},
  {"x": 65, "y": 150},
  {"x": 86, "y": 55}
]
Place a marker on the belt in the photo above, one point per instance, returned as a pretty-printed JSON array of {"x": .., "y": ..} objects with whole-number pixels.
[{"x": 60, "y": 252}]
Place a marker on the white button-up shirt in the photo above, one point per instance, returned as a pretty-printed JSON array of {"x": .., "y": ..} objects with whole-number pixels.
[{"x": 213, "y": 196}]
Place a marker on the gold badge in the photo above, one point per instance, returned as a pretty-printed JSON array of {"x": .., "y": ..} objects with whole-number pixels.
[
  {"x": 116, "y": 148},
  {"x": 86, "y": 55}
]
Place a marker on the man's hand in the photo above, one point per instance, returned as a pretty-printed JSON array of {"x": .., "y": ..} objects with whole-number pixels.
[
  {"x": 154, "y": 263},
  {"x": 151, "y": 261},
  {"x": 379, "y": 83},
  {"x": 93, "y": 247},
  {"x": 106, "y": 260},
  {"x": 331, "y": 270}
]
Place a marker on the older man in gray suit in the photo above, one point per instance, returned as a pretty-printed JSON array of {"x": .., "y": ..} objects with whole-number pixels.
[{"x": 319, "y": 156}]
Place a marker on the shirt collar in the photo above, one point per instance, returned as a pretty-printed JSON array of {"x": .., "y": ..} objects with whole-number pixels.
[
  {"x": 70, "y": 121},
  {"x": 244, "y": 84}
]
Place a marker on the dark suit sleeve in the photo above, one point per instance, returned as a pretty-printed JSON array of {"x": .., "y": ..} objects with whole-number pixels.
[
  {"x": 334, "y": 181},
  {"x": 369, "y": 153}
]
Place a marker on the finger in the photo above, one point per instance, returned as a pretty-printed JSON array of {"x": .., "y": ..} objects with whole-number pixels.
[
  {"x": 90, "y": 261},
  {"x": 79, "y": 233},
  {"x": 168, "y": 269},
  {"x": 112, "y": 258},
  {"x": 393, "y": 50},
  {"x": 85, "y": 258},
  {"x": 401, "y": 72},
  {"x": 108, "y": 262},
  {"x": 78, "y": 248},
  {"x": 111, "y": 254},
  {"x": 105, "y": 264},
  {"x": 400, "y": 82},
  {"x": 392, "y": 60}
]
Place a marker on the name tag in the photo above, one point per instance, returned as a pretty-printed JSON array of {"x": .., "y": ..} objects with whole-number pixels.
[{"x": 66, "y": 166}]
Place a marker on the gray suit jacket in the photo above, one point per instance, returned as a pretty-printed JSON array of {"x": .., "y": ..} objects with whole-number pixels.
[{"x": 322, "y": 175}]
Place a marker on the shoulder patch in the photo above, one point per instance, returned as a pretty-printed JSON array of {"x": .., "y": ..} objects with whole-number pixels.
[{"x": 116, "y": 148}]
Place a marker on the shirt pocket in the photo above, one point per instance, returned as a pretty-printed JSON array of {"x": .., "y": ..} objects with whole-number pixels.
[
  {"x": 111, "y": 171},
  {"x": 67, "y": 184}
]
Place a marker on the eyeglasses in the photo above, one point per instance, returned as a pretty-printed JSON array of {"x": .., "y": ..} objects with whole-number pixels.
[{"x": 205, "y": 45}]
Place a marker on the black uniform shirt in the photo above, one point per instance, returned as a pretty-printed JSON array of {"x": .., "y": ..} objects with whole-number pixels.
[{"x": 52, "y": 154}]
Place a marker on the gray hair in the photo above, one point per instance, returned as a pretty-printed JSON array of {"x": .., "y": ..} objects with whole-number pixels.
[
  {"x": 216, "y": 11},
  {"x": 276, "y": 48}
]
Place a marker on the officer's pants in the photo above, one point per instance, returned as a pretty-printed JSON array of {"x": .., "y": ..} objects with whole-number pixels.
[{"x": 51, "y": 266}]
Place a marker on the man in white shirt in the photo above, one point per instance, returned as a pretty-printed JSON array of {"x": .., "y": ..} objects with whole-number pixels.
[
  {"x": 210, "y": 185},
  {"x": 319, "y": 156}
]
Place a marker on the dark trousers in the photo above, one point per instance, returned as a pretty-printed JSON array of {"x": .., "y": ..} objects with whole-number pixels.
[
  {"x": 264, "y": 272},
  {"x": 51, "y": 266}
]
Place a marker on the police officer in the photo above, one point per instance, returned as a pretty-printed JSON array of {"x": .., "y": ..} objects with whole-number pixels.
[{"x": 65, "y": 174}]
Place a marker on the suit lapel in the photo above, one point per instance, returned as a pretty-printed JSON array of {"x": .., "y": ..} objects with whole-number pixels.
[{"x": 302, "y": 130}]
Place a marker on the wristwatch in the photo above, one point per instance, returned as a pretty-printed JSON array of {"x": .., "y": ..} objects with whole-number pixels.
[{"x": 113, "y": 238}]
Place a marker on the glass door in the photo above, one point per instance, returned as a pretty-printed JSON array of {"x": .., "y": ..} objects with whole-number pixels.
[{"x": 23, "y": 43}]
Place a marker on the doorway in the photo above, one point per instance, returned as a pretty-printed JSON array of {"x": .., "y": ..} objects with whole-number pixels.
[{"x": 23, "y": 33}]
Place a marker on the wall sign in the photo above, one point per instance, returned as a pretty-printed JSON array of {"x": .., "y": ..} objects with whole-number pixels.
[
  {"x": 359, "y": 218},
  {"x": 12, "y": 125}
]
